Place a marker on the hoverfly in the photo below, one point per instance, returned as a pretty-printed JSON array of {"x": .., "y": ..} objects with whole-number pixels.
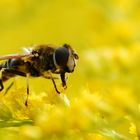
[{"x": 39, "y": 61}]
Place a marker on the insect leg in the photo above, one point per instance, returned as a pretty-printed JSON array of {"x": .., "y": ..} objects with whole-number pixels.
[
  {"x": 55, "y": 86},
  {"x": 1, "y": 82},
  {"x": 52, "y": 78},
  {"x": 1, "y": 85},
  {"x": 27, "y": 81},
  {"x": 5, "y": 71},
  {"x": 7, "y": 89}
]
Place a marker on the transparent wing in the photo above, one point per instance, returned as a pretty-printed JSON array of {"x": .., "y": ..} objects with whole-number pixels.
[
  {"x": 27, "y": 53},
  {"x": 16, "y": 56}
]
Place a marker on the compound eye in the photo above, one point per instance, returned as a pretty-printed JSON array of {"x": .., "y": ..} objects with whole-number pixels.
[
  {"x": 61, "y": 56},
  {"x": 76, "y": 56}
]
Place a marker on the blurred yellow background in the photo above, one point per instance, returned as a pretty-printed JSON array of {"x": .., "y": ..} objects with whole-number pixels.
[
  {"x": 103, "y": 90},
  {"x": 82, "y": 23}
]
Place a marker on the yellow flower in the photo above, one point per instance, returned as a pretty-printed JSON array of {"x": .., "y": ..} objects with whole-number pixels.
[{"x": 133, "y": 130}]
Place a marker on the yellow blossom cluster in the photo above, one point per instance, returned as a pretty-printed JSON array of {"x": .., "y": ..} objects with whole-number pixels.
[{"x": 102, "y": 101}]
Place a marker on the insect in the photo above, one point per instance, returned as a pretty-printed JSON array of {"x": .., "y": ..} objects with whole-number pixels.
[{"x": 39, "y": 61}]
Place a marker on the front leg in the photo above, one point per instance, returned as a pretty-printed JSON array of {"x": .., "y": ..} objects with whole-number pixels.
[
  {"x": 55, "y": 86},
  {"x": 62, "y": 75},
  {"x": 53, "y": 81}
]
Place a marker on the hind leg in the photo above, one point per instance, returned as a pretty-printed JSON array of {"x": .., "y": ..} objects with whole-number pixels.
[
  {"x": 1, "y": 82},
  {"x": 1, "y": 85},
  {"x": 9, "y": 87},
  {"x": 5, "y": 74}
]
